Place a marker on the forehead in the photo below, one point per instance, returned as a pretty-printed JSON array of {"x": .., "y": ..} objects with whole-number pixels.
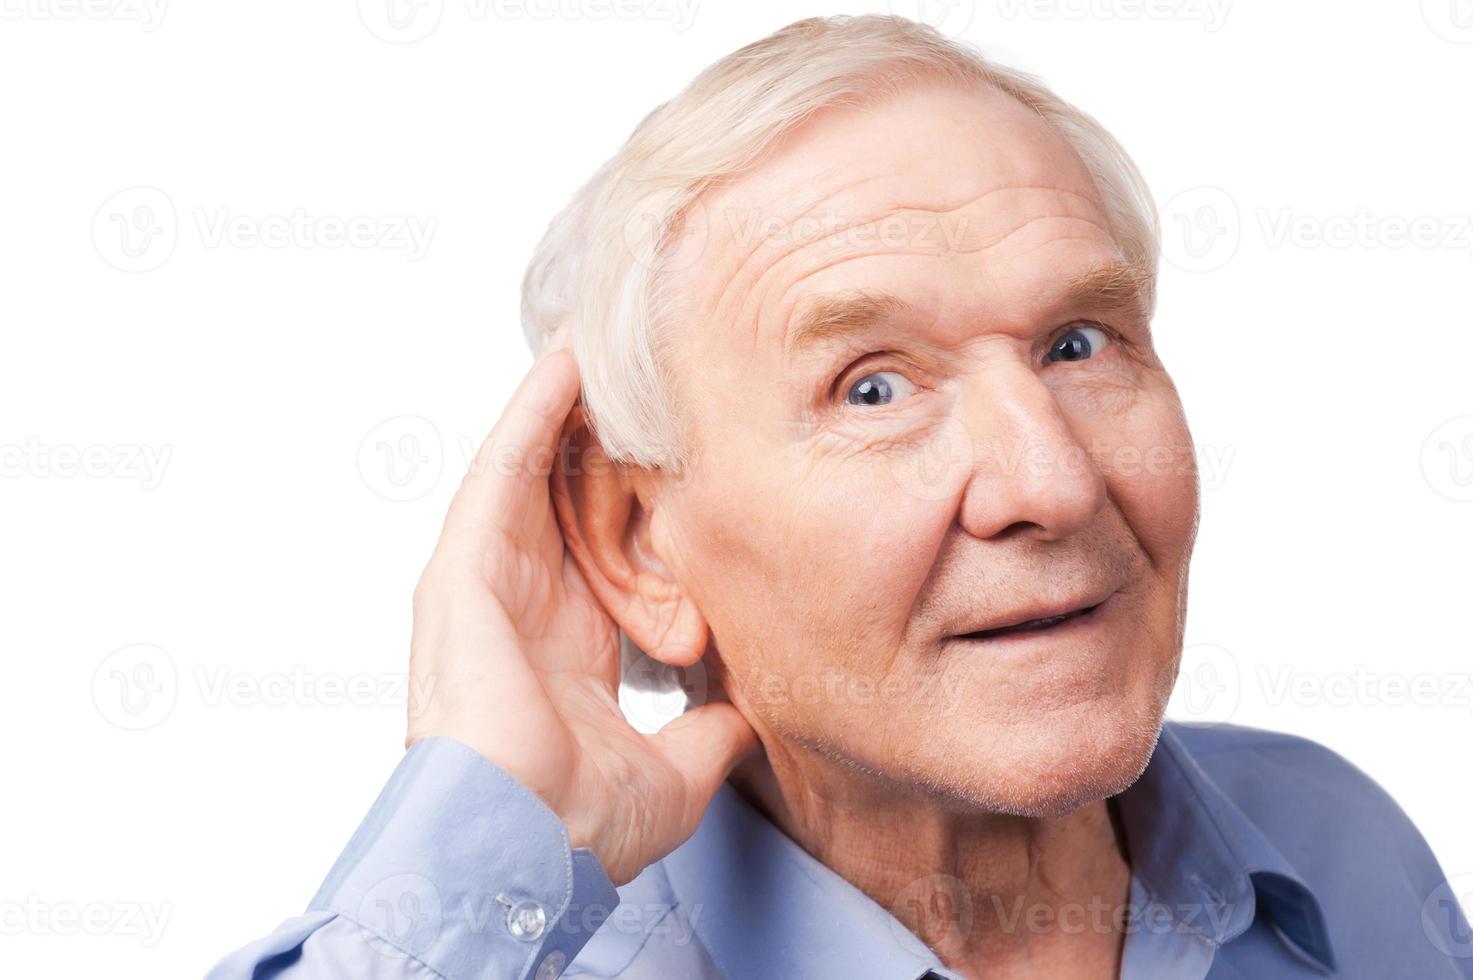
[{"x": 961, "y": 200}]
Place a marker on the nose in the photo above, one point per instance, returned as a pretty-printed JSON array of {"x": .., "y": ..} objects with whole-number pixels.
[{"x": 1030, "y": 472}]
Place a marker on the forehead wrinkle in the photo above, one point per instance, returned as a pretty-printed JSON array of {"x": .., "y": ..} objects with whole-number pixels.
[
  {"x": 776, "y": 261},
  {"x": 873, "y": 218},
  {"x": 787, "y": 320},
  {"x": 744, "y": 260}
]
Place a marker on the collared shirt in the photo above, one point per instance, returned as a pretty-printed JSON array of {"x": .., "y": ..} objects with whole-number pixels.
[{"x": 1253, "y": 854}]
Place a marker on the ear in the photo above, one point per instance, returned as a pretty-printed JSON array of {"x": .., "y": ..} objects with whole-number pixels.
[{"x": 604, "y": 510}]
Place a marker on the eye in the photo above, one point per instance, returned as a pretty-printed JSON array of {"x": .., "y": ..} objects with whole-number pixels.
[
  {"x": 1078, "y": 344},
  {"x": 879, "y": 388}
]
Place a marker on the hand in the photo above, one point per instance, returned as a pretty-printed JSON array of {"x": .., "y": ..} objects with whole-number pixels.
[{"x": 513, "y": 655}]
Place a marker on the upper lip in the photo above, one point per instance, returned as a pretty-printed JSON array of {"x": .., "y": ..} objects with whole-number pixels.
[{"x": 1030, "y": 613}]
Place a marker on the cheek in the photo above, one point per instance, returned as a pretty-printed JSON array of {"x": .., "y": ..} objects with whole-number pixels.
[
  {"x": 806, "y": 563},
  {"x": 1149, "y": 463}
]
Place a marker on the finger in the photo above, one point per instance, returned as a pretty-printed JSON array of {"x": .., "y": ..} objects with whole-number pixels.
[
  {"x": 705, "y": 744},
  {"x": 511, "y": 467}
]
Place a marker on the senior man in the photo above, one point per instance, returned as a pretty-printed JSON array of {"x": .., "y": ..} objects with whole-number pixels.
[{"x": 874, "y": 444}]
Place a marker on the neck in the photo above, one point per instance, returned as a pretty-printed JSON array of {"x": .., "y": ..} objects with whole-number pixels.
[{"x": 990, "y": 893}]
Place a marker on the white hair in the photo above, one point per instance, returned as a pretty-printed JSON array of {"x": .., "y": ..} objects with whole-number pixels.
[{"x": 599, "y": 266}]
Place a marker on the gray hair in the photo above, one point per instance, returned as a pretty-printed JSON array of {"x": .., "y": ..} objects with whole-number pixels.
[{"x": 599, "y": 266}]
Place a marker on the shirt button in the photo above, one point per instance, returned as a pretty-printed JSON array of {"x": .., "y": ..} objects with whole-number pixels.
[
  {"x": 526, "y": 921},
  {"x": 552, "y": 967}
]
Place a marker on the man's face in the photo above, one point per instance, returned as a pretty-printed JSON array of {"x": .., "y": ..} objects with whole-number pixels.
[{"x": 914, "y": 420}]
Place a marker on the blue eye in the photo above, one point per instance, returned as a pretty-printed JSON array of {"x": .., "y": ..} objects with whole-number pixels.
[
  {"x": 879, "y": 388},
  {"x": 1078, "y": 344}
]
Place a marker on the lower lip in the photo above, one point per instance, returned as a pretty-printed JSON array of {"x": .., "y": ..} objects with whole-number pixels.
[{"x": 1068, "y": 629}]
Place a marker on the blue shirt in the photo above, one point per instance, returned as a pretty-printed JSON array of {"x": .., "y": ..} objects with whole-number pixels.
[{"x": 1253, "y": 854}]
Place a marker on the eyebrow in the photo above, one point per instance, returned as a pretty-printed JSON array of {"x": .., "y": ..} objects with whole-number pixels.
[{"x": 1111, "y": 287}]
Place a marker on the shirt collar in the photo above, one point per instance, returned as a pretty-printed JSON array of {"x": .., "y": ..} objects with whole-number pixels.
[
  {"x": 1197, "y": 853},
  {"x": 765, "y": 907}
]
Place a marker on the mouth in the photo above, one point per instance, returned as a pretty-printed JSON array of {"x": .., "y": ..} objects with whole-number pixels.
[{"x": 1048, "y": 623}]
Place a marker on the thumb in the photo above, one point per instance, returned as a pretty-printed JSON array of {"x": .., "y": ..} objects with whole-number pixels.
[{"x": 705, "y": 744}]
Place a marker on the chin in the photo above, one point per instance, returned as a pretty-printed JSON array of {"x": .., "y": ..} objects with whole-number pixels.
[{"x": 1048, "y": 766}]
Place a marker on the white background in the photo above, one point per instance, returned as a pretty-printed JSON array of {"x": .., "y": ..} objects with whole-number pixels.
[{"x": 206, "y": 455}]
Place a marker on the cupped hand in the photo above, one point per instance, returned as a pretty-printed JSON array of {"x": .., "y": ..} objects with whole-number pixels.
[{"x": 514, "y": 656}]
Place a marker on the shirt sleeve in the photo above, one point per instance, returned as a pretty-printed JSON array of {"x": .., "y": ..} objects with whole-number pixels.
[{"x": 458, "y": 871}]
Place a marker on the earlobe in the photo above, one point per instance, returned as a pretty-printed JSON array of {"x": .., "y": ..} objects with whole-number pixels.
[{"x": 607, "y": 528}]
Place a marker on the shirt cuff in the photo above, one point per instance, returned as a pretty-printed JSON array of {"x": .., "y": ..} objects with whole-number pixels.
[{"x": 465, "y": 869}]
